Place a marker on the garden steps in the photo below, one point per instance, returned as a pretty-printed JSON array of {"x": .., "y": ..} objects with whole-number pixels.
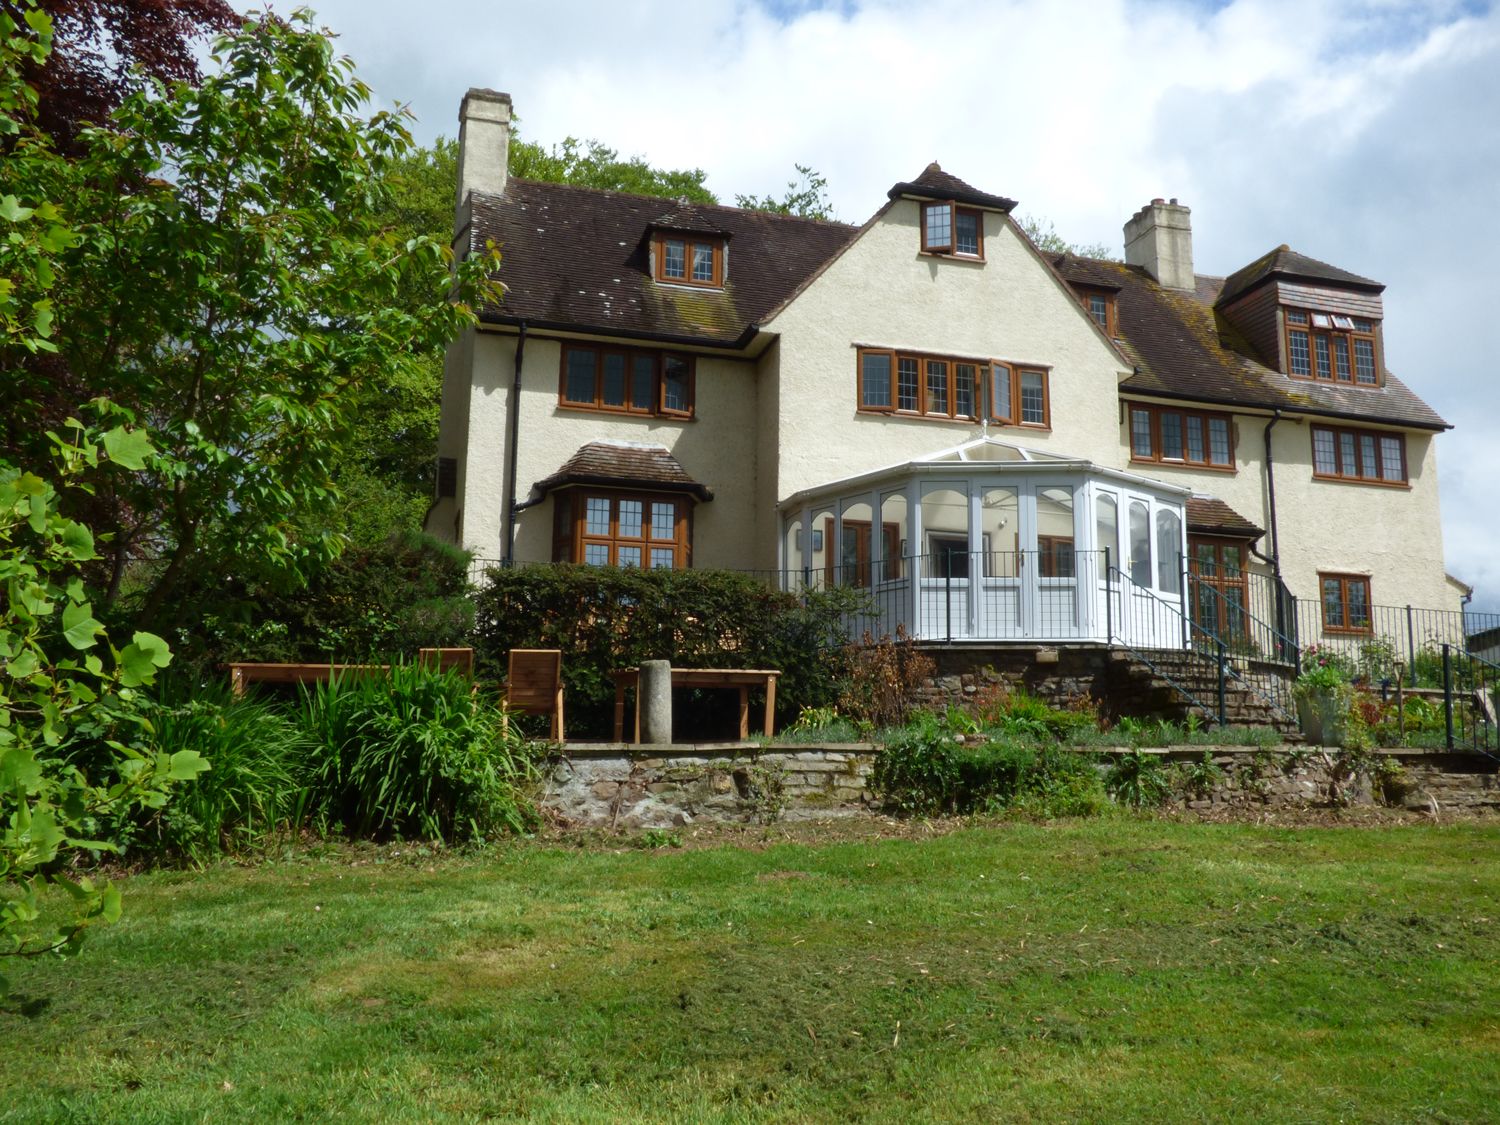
[{"x": 1172, "y": 680}]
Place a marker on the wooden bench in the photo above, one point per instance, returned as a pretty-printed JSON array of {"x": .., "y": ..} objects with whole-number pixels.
[
  {"x": 742, "y": 679},
  {"x": 242, "y": 673}
]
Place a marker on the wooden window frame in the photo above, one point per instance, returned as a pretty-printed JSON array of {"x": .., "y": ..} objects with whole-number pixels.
[
  {"x": 890, "y": 562},
  {"x": 982, "y": 397},
  {"x": 1333, "y": 336},
  {"x": 1087, "y": 295},
  {"x": 1345, "y": 581},
  {"x": 689, "y": 241},
  {"x": 951, "y": 250},
  {"x": 1359, "y": 477},
  {"x": 1157, "y": 457},
  {"x": 1220, "y": 581},
  {"x": 658, "y": 408},
  {"x": 571, "y": 536}
]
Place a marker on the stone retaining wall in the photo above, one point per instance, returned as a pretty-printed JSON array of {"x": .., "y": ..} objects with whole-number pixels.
[{"x": 627, "y": 787}]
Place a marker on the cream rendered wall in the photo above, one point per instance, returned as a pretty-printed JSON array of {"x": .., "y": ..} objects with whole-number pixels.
[
  {"x": 882, "y": 292},
  {"x": 718, "y": 448},
  {"x": 1394, "y": 535}
]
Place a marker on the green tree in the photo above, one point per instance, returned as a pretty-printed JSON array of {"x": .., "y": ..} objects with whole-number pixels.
[
  {"x": 596, "y": 165},
  {"x": 63, "y": 679},
  {"x": 1041, "y": 231},
  {"x": 806, "y": 196},
  {"x": 234, "y": 291}
]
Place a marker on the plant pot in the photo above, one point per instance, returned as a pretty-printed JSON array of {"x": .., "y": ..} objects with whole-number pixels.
[{"x": 1320, "y": 714}]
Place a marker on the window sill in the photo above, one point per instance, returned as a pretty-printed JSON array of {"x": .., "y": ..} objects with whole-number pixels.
[
  {"x": 1226, "y": 470},
  {"x": 1398, "y": 485},
  {"x": 1342, "y": 631},
  {"x": 617, "y": 412},
  {"x": 1335, "y": 383},
  {"x": 697, "y": 286},
  {"x": 952, "y": 256}
]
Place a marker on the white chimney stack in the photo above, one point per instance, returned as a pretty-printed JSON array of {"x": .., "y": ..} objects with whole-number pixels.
[
  {"x": 1159, "y": 237},
  {"x": 483, "y": 143}
]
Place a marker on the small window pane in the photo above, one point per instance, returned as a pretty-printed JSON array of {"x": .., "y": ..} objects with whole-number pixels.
[
  {"x": 937, "y": 387},
  {"x": 643, "y": 383},
  {"x": 580, "y": 381},
  {"x": 1321, "y": 342},
  {"x": 1344, "y": 322},
  {"x": 1000, "y": 398},
  {"x": 674, "y": 384},
  {"x": 630, "y": 519},
  {"x": 1296, "y": 316},
  {"x": 629, "y": 556},
  {"x": 1168, "y": 552},
  {"x": 1367, "y": 465},
  {"x": 614, "y": 379},
  {"x": 1392, "y": 464},
  {"x": 1033, "y": 398},
  {"x": 1171, "y": 436},
  {"x": 906, "y": 384},
  {"x": 596, "y": 520},
  {"x": 1357, "y": 592},
  {"x": 663, "y": 521},
  {"x": 1333, "y": 603},
  {"x": 1341, "y": 358},
  {"x": 1194, "y": 428},
  {"x": 674, "y": 258},
  {"x": 703, "y": 262},
  {"x": 968, "y": 233},
  {"x": 939, "y": 226},
  {"x": 1320, "y": 320},
  {"x": 596, "y": 554},
  {"x": 1099, "y": 310},
  {"x": 1297, "y": 345},
  {"x": 1348, "y": 465},
  {"x": 1364, "y": 362},
  {"x": 875, "y": 380},
  {"x": 1323, "y": 456},
  {"x": 1140, "y": 544},
  {"x": 663, "y": 558},
  {"x": 1140, "y": 433},
  {"x": 1218, "y": 442},
  {"x": 963, "y": 390}
]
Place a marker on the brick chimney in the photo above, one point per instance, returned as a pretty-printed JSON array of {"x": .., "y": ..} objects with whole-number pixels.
[
  {"x": 483, "y": 143},
  {"x": 1160, "y": 237}
]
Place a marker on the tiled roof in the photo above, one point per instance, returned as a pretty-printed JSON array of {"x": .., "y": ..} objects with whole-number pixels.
[
  {"x": 625, "y": 465},
  {"x": 1286, "y": 262},
  {"x": 1208, "y": 516},
  {"x": 577, "y": 257},
  {"x": 934, "y": 183},
  {"x": 1183, "y": 349}
]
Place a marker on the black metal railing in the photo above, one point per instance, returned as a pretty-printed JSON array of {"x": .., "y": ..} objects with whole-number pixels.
[{"x": 1379, "y": 642}]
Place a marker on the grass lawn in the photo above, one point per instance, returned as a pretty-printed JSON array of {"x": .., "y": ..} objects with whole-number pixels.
[{"x": 1103, "y": 970}]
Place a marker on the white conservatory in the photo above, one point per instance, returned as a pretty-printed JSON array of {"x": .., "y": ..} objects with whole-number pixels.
[{"x": 994, "y": 542}]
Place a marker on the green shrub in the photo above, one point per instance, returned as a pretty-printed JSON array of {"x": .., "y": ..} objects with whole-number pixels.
[
  {"x": 256, "y": 754},
  {"x": 1138, "y": 780},
  {"x": 605, "y": 618},
  {"x": 416, "y": 754},
  {"x": 924, "y": 769}
]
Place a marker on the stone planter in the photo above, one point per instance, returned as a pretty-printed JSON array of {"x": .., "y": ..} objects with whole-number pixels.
[{"x": 1320, "y": 714}]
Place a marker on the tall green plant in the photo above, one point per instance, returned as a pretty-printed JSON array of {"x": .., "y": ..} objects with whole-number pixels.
[{"x": 414, "y": 754}]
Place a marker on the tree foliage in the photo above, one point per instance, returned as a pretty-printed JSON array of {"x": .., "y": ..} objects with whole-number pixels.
[
  {"x": 232, "y": 290},
  {"x": 806, "y": 196},
  {"x": 1041, "y": 232},
  {"x": 596, "y": 165},
  {"x": 103, "y": 49}
]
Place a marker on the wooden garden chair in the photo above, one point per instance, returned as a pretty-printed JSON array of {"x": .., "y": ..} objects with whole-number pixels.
[{"x": 534, "y": 685}]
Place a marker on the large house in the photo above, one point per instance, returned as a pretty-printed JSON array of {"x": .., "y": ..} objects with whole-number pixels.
[{"x": 1000, "y": 443}]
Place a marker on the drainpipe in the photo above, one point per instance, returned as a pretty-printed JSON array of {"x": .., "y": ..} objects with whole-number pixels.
[
  {"x": 507, "y": 557},
  {"x": 1275, "y": 559}
]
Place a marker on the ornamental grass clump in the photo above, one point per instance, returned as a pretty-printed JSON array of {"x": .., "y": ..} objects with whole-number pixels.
[{"x": 416, "y": 754}]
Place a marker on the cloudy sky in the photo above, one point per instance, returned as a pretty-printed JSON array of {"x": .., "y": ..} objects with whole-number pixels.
[{"x": 1362, "y": 132}]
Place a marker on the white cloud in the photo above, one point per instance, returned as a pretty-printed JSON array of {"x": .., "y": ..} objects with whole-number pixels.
[{"x": 1359, "y": 131}]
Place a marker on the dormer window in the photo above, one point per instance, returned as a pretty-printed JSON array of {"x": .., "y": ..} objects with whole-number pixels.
[
  {"x": 1100, "y": 305},
  {"x": 950, "y": 229},
  {"x": 1331, "y": 347},
  {"x": 683, "y": 259}
]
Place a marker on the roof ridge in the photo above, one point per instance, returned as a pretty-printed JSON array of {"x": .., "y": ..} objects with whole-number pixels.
[{"x": 670, "y": 199}]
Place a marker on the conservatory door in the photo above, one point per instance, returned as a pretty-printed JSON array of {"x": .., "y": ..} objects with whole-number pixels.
[{"x": 1049, "y": 562}]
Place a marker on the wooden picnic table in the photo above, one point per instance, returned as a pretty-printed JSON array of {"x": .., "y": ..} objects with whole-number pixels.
[{"x": 743, "y": 679}]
